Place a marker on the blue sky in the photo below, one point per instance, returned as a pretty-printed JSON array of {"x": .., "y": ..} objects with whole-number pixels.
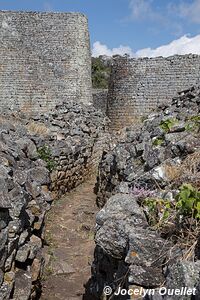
[{"x": 138, "y": 27}]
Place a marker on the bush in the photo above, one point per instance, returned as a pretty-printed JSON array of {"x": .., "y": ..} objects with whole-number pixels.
[
  {"x": 46, "y": 155},
  {"x": 100, "y": 73},
  {"x": 188, "y": 201},
  {"x": 166, "y": 125}
]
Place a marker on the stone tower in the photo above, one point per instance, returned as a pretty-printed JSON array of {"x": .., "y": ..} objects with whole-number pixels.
[
  {"x": 138, "y": 86},
  {"x": 45, "y": 60}
]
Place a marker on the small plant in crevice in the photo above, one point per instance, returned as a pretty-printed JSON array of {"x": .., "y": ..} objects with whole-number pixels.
[
  {"x": 158, "y": 211},
  {"x": 188, "y": 201},
  {"x": 177, "y": 219},
  {"x": 186, "y": 204},
  {"x": 45, "y": 154},
  {"x": 157, "y": 141},
  {"x": 168, "y": 124},
  {"x": 193, "y": 124}
]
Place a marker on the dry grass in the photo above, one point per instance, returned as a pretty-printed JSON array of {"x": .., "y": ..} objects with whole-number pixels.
[
  {"x": 188, "y": 170},
  {"x": 192, "y": 163},
  {"x": 172, "y": 172},
  {"x": 37, "y": 128}
]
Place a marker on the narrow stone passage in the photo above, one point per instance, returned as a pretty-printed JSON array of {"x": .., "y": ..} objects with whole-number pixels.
[{"x": 69, "y": 233}]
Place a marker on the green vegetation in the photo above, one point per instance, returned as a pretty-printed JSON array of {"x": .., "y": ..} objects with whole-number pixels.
[
  {"x": 193, "y": 124},
  {"x": 188, "y": 201},
  {"x": 158, "y": 142},
  {"x": 100, "y": 73},
  {"x": 166, "y": 125},
  {"x": 45, "y": 154},
  {"x": 158, "y": 210}
]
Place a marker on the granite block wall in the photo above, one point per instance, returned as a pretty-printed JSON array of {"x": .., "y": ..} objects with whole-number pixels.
[
  {"x": 41, "y": 158},
  {"x": 45, "y": 60},
  {"x": 138, "y": 86},
  {"x": 100, "y": 99}
]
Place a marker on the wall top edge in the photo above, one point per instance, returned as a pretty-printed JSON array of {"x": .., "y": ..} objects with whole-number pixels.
[
  {"x": 20, "y": 12},
  {"x": 176, "y": 56}
]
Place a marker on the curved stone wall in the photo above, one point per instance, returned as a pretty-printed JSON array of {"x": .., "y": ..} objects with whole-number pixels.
[
  {"x": 45, "y": 60},
  {"x": 138, "y": 86}
]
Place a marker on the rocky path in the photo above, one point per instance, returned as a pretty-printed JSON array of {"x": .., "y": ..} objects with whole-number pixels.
[{"x": 69, "y": 233}]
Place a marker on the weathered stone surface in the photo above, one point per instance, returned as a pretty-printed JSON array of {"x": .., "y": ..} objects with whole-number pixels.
[
  {"x": 5, "y": 291},
  {"x": 3, "y": 246},
  {"x": 141, "y": 155},
  {"x": 40, "y": 175},
  {"x": 51, "y": 74},
  {"x": 23, "y": 253},
  {"x": 182, "y": 274},
  {"x": 150, "y": 162},
  {"x": 26, "y": 187},
  {"x": 100, "y": 99},
  {"x": 35, "y": 246},
  {"x": 1, "y": 276},
  {"x": 147, "y": 252},
  {"x": 36, "y": 269},
  {"x": 9, "y": 261},
  {"x": 23, "y": 284},
  {"x": 138, "y": 86},
  {"x": 115, "y": 220},
  {"x": 5, "y": 201}
]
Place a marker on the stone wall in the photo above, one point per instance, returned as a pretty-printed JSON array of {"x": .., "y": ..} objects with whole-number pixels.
[
  {"x": 40, "y": 159},
  {"x": 138, "y": 86},
  {"x": 142, "y": 226},
  {"x": 100, "y": 99},
  {"x": 45, "y": 60},
  {"x": 75, "y": 137}
]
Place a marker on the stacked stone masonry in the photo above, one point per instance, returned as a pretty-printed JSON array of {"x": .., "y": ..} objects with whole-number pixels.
[
  {"x": 40, "y": 159},
  {"x": 100, "y": 99},
  {"x": 45, "y": 60},
  {"x": 150, "y": 163},
  {"x": 138, "y": 86}
]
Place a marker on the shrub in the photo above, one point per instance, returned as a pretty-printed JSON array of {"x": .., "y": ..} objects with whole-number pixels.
[
  {"x": 193, "y": 124},
  {"x": 166, "y": 125},
  {"x": 46, "y": 155},
  {"x": 158, "y": 141},
  {"x": 188, "y": 201},
  {"x": 100, "y": 73},
  {"x": 158, "y": 210}
]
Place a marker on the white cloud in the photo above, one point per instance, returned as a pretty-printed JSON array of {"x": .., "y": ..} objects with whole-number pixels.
[
  {"x": 100, "y": 49},
  {"x": 141, "y": 9},
  {"x": 148, "y": 10},
  {"x": 183, "y": 45},
  {"x": 191, "y": 11}
]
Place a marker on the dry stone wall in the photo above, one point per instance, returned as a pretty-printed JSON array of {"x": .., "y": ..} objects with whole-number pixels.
[
  {"x": 100, "y": 99},
  {"x": 75, "y": 137},
  {"x": 40, "y": 159},
  {"x": 138, "y": 86},
  {"x": 45, "y": 60},
  {"x": 149, "y": 170}
]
